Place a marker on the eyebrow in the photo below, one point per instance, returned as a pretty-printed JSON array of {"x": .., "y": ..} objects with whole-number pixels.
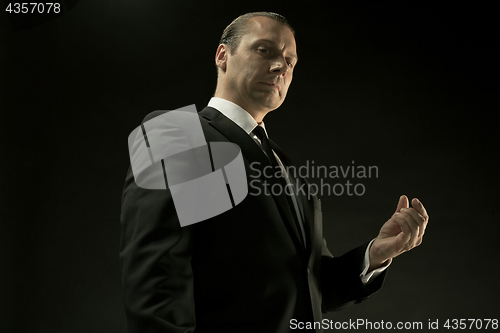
[{"x": 292, "y": 55}]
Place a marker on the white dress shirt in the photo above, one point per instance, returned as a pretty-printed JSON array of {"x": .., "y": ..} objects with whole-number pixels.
[{"x": 244, "y": 120}]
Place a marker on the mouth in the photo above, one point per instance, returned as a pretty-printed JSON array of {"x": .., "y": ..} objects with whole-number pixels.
[{"x": 272, "y": 85}]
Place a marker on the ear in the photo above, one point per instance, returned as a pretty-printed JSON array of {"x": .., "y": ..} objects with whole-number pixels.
[{"x": 221, "y": 57}]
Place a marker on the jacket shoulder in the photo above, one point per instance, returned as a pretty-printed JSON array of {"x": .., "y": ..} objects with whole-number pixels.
[
  {"x": 154, "y": 114},
  {"x": 207, "y": 113}
]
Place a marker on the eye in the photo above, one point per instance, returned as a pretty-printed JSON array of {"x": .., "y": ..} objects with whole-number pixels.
[{"x": 263, "y": 50}]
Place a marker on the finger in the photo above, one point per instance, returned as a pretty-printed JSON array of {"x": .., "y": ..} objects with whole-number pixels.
[
  {"x": 420, "y": 208},
  {"x": 418, "y": 218},
  {"x": 406, "y": 230},
  {"x": 412, "y": 224},
  {"x": 403, "y": 203}
]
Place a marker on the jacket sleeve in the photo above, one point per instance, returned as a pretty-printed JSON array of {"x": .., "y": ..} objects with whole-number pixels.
[
  {"x": 340, "y": 279},
  {"x": 155, "y": 258}
]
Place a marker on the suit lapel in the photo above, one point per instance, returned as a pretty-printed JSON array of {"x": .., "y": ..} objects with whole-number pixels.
[
  {"x": 237, "y": 135},
  {"x": 254, "y": 153}
]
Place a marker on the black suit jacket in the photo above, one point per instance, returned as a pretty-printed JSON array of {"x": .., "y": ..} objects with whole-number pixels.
[{"x": 245, "y": 270}]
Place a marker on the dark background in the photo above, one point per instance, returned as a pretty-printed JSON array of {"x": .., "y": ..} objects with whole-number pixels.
[{"x": 408, "y": 88}]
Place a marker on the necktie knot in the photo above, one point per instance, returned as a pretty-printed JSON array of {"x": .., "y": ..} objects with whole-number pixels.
[
  {"x": 266, "y": 146},
  {"x": 260, "y": 133}
]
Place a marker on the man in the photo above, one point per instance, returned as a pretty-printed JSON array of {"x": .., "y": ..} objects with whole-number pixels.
[{"x": 263, "y": 265}]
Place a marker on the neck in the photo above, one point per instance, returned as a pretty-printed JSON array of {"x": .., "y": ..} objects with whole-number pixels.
[{"x": 257, "y": 114}]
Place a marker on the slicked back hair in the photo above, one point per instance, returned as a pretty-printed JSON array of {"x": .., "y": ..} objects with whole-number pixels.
[{"x": 236, "y": 29}]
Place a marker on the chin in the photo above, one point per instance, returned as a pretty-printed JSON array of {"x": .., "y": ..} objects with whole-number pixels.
[
  {"x": 276, "y": 105},
  {"x": 268, "y": 103}
]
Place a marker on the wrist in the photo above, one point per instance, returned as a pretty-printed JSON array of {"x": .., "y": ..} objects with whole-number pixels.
[{"x": 377, "y": 259}]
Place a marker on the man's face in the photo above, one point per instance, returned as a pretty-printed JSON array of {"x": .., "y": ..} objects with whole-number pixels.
[{"x": 258, "y": 74}]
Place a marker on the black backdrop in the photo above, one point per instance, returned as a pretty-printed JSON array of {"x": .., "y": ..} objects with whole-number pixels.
[{"x": 407, "y": 88}]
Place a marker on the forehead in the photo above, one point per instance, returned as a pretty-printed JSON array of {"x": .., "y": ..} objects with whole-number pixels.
[{"x": 265, "y": 28}]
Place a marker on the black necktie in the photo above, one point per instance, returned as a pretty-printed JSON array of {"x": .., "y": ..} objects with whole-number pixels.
[
  {"x": 261, "y": 134},
  {"x": 266, "y": 146}
]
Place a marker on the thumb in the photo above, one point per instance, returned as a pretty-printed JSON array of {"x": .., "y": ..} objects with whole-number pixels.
[{"x": 403, "y": 203}]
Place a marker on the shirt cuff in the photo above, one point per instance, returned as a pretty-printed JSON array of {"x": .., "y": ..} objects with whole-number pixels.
[{"x": 365, "y": 278}]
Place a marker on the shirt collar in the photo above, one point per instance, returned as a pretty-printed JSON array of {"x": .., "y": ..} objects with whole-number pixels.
[{"x": 236, "y": 113}]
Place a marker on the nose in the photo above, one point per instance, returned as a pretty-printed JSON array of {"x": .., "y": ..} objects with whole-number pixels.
[{"x": 279, "y": 66}]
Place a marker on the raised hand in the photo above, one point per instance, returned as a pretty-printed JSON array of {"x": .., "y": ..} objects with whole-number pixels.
[{"x": 401, "y": 233}]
